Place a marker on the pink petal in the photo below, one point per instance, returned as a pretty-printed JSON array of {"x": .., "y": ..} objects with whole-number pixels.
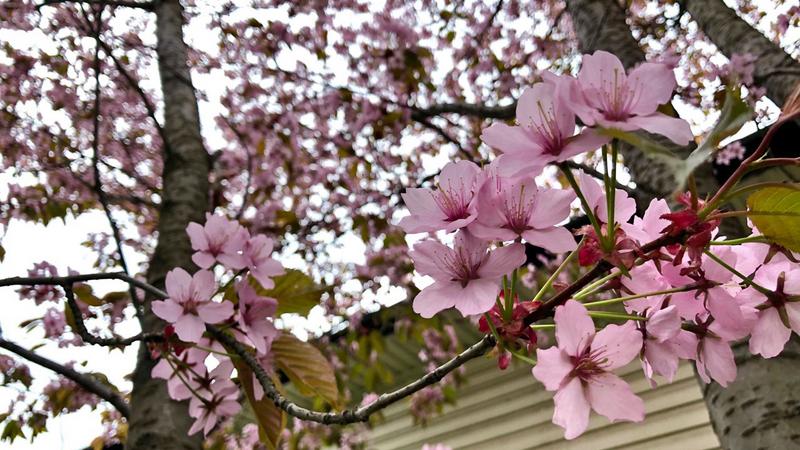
[
  {"x": 167, "y": 309},
  {"x": 551, "y": 207},
  {"x": 601, "y": 74},
  {"x": 587, "y": 141},
  {"x": 717, "y": 358},
  {"x": 197, "y": 236},
  {"x": 502, "y": 261},
  {"x": 554, "y": 239},
  {"x": 727, "y": 314},
  {"x": 542, "y": 97},
  {"x": 204, "y": 260},
  {"x": 178, "y": 284},
  {"x": 653, "y": 85},
  {"x": 477, "y": 297},
  {"x": 190, "y": 328},
  {"x": 571, "y": 409},
  {"x": 427, "y": 256},
  {"x": 664, "y": 324},
  {"x": 619, "y": 344},
  {"x": 436, "y": 297},
  {"x": 613, "y": 398},
  {"x": 574, "y": 328},
  {"x": 793, "y": 313},
  {"x": 458, "y": 174},
  {"x": 204, "y": 286},
  {"x": 552, "y": 366},
  {"x": 769, "y": 335},
  {"x": 510, "y": 139},
  {"x": 675, "y": 129},
  {"x": 662, "y": 358},
  {"x": 212, "y": 312},
  {"x": 421, "y": 202}
]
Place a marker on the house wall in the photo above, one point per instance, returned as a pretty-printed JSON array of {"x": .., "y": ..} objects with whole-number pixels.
[{"x": 510, "y": 410}]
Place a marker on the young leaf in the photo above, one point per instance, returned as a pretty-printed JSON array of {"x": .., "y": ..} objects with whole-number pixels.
[
  {"x": 295, "y": 291},
  {"x": 306, "y": 367},
  {"x": 271, "y": 419},
  {"x": 85, "y": 294},
  {"x": 776, "y": 213}
]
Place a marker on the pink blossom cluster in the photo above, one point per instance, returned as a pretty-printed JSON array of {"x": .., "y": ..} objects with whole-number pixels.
[
  {"x": 197, "y": 300},
  {"x": 685, "y": 299}
]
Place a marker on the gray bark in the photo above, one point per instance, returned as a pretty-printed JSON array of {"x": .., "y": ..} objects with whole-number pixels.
[
  {"x": 775, "y": 70},
  {"x": 156, "y": 421},
  {"x": 758, "y": 410}
]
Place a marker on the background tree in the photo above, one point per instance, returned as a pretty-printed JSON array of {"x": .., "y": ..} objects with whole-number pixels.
[{"x": 306, "y": 121}]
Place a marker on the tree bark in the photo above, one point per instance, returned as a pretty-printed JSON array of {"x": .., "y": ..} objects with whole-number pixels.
[
  {"x": 156, "y": 421},
  {"x": 775, "y": 70}
]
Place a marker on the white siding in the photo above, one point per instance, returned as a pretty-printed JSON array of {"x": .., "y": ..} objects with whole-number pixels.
[{"x": 509, "y": 410}]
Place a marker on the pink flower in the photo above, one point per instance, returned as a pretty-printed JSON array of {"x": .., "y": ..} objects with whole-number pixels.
[
  {"x": 649, "y": 226},
  {"x": 604, "y": 96},
  {"x": 466, "y": 276},
  {"x": 508, "y": 209},
  {"x": 715, "y": 360},
  {"x": 595, "y": 194},
  {"x": 191, "y": 368},
  {"x": 450, "y": 207},
  {"x": 257, "y": 258},
  {"x": 770, "y": 333},
  {"x": 220, "y": 240},
  {"x": 579, "y": 370},
  {"x": 254, "y": 317},
  {"x": 221, "y": 403},
  {"x": 545, "y": 132},
  {"x": 665, "y": 342},
  {"x": 189, "y": 305}
]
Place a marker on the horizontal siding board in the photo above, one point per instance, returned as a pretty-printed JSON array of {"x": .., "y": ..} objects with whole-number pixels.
[{"x": 510, "y": 410}]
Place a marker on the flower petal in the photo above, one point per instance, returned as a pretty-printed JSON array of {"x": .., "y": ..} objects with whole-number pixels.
[
  {"x": 574, "y": 328},
  {"x": 619, "y": 344},
  {"x": 571, "y": 409},
  {"x": 613, "y": 398},
  {"x": 552, "y": 366}
]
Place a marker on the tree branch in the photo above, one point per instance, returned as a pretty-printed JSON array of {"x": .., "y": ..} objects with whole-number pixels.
[
  {"x": 87, "y": 382},
  {"x": 469, "y": 109},
  {"x": 361, "y": 414},
  {"x": 147, "y": 6}
]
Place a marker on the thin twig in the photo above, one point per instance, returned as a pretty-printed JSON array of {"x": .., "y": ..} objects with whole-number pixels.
[
  {"x": 87, "y": 382},
  {"x": 60, "y": 281},
  {"x": 147, "y": 6}
]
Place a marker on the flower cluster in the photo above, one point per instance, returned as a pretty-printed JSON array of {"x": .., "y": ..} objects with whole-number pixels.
[
  {"x": 674, "y": 289},
  {"x": 196, "y": 301}
]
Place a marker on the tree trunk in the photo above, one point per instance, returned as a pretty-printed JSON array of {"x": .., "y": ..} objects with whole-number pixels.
[
  {"x": 759, "y": 409},
  {"x": 775, "y": 70},
  {"x": 156, "y": 421}
]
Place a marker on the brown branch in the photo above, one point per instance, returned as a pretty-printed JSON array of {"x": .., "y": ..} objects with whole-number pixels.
[
  {"x": 438, "y": 130},
  {"x": 147, "y": 6},
  {"x": 468, "y": 109},
  {"x": 361, "y": 414},
  {"x": 98, "y": 184},
  {"x": 87, "y": 382}
]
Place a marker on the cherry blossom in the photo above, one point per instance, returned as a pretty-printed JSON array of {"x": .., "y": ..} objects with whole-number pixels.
[
  {"x": 604, "y": 95},
  {"x": 450, "y": 207},
  {"x": 545, "y": 132},
  {"x": 219, "y": 240},
  {"x": 223, "y": 402},
  {"x": 189, "y": 305},
  {"x": 258, "y": 258},
  {"x": 579, "y": 370},
  {"x": 509, "y": 208},
  {"x": 252, "y": 317},
  {"x": 466, "y": 277}
]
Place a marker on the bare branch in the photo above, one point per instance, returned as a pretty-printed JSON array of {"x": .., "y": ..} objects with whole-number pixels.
[
  {"x": 469, "y": 109},
  {"x": 422, "y": 120},
  {"x": 61, "y": 281},
  {"x": 147, "y": 6},
  {"x": 87, "y": 382},
  {"x": 361, "y": 414}
]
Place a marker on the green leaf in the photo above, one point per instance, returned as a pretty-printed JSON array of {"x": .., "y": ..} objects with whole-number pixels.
[
  {"x": 114, "y": 297},
  {"x": 2, "y": 253},
  {"x": 306, "y": 367},
  {"x": 12, "y": 431},
  {"x": 271, "y": 419},
  {"x": 295, "y": 291},
  {"x": 775, "y": 211},
  {"x": 85, "y": 294}
]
